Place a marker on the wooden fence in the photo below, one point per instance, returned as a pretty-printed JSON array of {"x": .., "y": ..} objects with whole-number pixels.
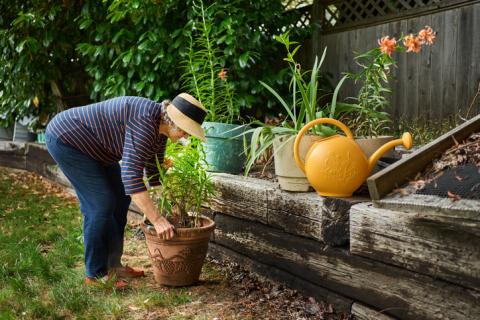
[{"x": 440, "y": 81}]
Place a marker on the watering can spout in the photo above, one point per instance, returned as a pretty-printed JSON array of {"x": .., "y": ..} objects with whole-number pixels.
[{"x": 406, "y": 141}]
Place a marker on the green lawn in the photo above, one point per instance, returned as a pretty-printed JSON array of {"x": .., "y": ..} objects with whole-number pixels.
[{"x": 41, "y": 261}]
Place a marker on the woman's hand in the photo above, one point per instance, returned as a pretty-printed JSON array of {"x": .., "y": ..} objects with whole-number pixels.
[{"x": 165, "y": 230}]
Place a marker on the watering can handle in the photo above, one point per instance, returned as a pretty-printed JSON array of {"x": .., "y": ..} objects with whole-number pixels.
[{"x": 296, "y": 146}]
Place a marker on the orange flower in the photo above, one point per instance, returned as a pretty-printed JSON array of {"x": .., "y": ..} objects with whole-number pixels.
[
  {"x": 387, "y": 45},
  {"x": 413, "y": 44},
  {"x": 223, "y": 75},
  {"x": 427, "y": 35}
]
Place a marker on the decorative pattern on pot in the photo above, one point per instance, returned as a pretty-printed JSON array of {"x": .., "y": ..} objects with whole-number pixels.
[
  {"x": 183, "y": 262},
  {"x": 178, "y": 261}
]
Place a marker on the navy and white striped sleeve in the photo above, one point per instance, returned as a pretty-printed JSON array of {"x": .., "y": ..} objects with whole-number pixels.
[{"x": 139, "y": 139}]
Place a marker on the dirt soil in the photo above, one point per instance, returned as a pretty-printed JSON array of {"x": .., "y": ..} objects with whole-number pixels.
[
  {"x": 228, "y": 291},
  {"x": 225, "y": 290}
]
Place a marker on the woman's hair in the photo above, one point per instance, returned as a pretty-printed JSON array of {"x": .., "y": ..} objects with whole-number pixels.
[{"x": 164, "y": 115}]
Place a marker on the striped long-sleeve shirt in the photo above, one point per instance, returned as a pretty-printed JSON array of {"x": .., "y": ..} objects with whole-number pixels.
[{"x": 123, "y": 128}]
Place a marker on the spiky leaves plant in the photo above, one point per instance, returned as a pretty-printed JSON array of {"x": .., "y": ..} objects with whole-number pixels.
[
  {"x": 302, "y": 109},
  {"x": 204, "y": 74},
  {"x": 186, "y": 186}
]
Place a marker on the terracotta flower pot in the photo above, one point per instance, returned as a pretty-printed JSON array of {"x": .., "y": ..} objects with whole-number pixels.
[{"x": 179, "y": 261}]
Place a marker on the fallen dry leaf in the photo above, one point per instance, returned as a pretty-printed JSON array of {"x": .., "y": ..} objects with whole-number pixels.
[{"x": 453, "y": 196}]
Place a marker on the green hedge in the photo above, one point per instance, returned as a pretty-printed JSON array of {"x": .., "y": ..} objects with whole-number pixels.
[{"x": 131, "y": 47}]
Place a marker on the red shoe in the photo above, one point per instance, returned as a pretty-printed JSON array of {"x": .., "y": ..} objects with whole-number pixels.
[
  {"x": 127, "y": 272},
  {"x": 106, "y": 282}
]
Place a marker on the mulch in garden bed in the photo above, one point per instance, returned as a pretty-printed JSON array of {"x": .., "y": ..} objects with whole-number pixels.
[{"x": 455, "y": 174}]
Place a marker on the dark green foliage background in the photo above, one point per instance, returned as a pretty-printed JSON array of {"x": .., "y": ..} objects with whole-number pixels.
[{"x": 101, "y": 49}]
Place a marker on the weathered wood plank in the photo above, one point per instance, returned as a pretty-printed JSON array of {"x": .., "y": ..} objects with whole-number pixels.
[
  {"x": 464, "y": 46},
  {"x": 473, "y": 106},
  {"x": 12, "y": 154},
  {"x": 38, "y": 158},
  {"x": 423, "y": 58},
  {"x": 457, "y": 211},
  {"x": 412, "y": 75},
  {"x": 305, "y": 213},
  {"x": 449, "y": 62},
  {"x": 454, "y": 74},
  {"x": 241, "y": 196},
  {"x": 342, "y": 304},
  {"x": 362, "y": 312},
  {"x": 312, "y": 216},
  {"x": 436, "y": 76},
  {"x": 404, "y": 294},
  {"x": 432, "y": 244},
  {"x": 383, "y": 182}
]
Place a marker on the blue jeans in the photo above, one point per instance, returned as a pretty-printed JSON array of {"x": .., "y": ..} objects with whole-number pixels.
[{"x": 103, "y": 203}]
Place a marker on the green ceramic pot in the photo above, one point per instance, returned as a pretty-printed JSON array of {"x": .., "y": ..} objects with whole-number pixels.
[{"x": 224, "y": 150}]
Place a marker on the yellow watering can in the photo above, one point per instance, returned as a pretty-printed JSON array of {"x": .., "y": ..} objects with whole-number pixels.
[{"x": 336, "y": 166}]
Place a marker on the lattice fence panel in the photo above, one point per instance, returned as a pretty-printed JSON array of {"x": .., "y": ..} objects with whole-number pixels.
[
  {"x": 304, "y": 17},
  {"x": 348, "y": 12}
]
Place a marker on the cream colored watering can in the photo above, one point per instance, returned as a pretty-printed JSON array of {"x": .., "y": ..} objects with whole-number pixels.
[{"x": 336, "y": 166}]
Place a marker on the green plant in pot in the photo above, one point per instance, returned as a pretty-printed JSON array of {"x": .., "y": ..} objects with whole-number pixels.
[
  {"x": 303, "y": 107},
  {"x": 207, "y": 79},
  {"x": 186, "y": 186},
  {"x": 367, "y": 117}
]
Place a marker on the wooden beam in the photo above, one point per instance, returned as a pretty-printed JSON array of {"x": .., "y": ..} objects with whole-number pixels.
[
  {"x": 38, "y": 158},
  {"x": 12, "y": 155},
  {"x": 305, "y": 213},
  {"x": 399, "y": 172},
  {"x": 361, "y": 312},
  {"x": 405, "y": 294},
  {"x": 341, "y": 303},
  {"x": 433, "y": 244},
  {"x": 240, "y": 196}
]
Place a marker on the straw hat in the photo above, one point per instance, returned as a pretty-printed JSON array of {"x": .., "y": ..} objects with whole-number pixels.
[{"x": 188, "y": 114}]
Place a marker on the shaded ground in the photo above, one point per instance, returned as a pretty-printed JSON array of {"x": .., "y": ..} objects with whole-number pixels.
[{"x": 41, "y": 270}]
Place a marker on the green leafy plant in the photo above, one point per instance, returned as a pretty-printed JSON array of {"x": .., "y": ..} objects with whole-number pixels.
[
  {"x": 367, "y": 116},
  {"x": 126, "y": 51},
  {"x": 302, "y": 108},
  {"x": 186, "y": 186},
  {"x": 38, "y": 64},
  {"x": 205, "y": 75}
]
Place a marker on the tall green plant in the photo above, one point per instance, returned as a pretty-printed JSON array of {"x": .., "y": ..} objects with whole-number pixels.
[
  {"x": 368, "y": 117},
  {"x": 302, "y": 108},
  {"x": 186, "y": 186},
  {"x": 205, "y": 75}
]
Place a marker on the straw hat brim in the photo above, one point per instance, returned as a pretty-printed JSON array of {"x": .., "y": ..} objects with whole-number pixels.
[{"x": 185, "y": 123}]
